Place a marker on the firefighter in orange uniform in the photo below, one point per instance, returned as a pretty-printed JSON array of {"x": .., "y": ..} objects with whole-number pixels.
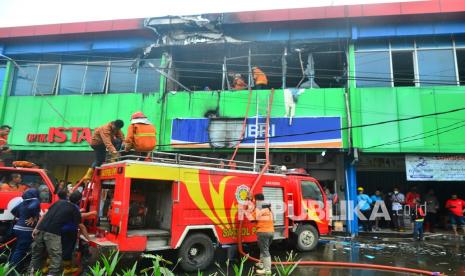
[
  {"x": 265, "y": 233},
  {"x": 141, "y": 135},
  {"x": 261, "y": 81}
]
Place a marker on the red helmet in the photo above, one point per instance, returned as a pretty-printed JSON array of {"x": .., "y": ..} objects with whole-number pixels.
[{"x": 138, "y": 115}]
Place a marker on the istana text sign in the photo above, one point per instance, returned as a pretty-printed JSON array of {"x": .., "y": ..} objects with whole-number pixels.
[
  {"x": 74, "y": 135},
  {"x": 435, "y": 168}
]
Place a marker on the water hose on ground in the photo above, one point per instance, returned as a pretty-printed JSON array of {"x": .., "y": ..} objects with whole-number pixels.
[{"x": 7, "y": 243}]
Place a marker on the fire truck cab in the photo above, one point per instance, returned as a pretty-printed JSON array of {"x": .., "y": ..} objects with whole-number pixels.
[
  {"x": 32, "y": 177},
  {"x": 193, "y": 205}
]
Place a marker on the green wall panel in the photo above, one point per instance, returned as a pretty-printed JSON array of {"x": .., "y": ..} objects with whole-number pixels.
[
  {"x": 36, "y": 115},
  {"x": 432, "y": 134},
  {"x": 233, "y": 104}
]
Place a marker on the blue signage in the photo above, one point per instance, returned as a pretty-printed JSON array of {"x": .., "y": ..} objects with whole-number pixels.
[{"x": 300, "y": 132}]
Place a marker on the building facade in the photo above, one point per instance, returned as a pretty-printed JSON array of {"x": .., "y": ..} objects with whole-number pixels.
[{"x": 356, "y": 88}]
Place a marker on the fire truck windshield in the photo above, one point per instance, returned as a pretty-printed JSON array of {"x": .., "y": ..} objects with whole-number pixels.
[{"x": 310, "y": 190}]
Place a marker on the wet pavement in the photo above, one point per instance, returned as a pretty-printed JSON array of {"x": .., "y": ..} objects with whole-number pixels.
[
  {"x": 440, "y": 254},
  {"x": 445, "y": 254}
]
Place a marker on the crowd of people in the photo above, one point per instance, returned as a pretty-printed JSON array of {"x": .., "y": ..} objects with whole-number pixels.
[{"x": 419, "y": 209}]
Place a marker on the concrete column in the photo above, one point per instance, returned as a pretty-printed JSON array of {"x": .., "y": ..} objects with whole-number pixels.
[{"x": 351, "y": 197}]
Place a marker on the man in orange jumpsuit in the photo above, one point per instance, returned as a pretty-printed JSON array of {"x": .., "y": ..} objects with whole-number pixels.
[
  {"x": 141, "y": 135},
  {"x": 265, "y": 233},
  {"x": 260, "y": 79}
]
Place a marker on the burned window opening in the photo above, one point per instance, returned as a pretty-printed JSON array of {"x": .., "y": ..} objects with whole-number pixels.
[
  {"x": 403, "y": 69},
  {"x": 223, "y": 66}
]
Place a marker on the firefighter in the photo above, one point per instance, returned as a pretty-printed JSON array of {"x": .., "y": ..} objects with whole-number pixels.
[
  {"x": 265, "y": 232},
  {"x": 14, "y": 185},
  {"x": 107, "y": 137},
  {"x": 141, "y": 135},
  {"x": 260, "y": 79},
  {"x": 238, "y": 82}
]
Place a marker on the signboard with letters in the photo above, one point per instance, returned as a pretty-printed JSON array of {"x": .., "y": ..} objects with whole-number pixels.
[
  {"x": 435, "y": 168},
  {"x": 303, "y": 132}
]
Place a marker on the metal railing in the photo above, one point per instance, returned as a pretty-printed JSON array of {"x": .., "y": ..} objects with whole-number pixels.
[{"x": 193, "y": 160}]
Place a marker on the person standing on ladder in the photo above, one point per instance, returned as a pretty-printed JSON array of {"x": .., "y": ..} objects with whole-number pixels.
[
  {"x": 260, "y": 79},
  {"x": 265, "y": 233},
  {"x": 141, "y": 135},
  {"x": 107, "y": 137}
]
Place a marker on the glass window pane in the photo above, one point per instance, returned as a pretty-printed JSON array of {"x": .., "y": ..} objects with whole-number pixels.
[
  {"x": 372, "y": 69},
  {"x": 122, "y": 79},
  {"x": 374, "y": 44},
  {"x": 46, "y": 79},
  {"x": 434, "y": 42},
  {"x": 148, "y": 79},
  {"x": 311, "y": 191},
  {"x": 71, "y": 79},
  {"x": 2, "y": 76},
  {"x": 95, "y": 77},
  {"x": 24, "y": 80},
  {"x": 436, "y": 67}
]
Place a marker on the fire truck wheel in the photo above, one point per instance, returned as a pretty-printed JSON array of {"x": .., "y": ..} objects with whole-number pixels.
[
  {"x": 196, "y": 252},
  {"x": 306, "y": 238}
]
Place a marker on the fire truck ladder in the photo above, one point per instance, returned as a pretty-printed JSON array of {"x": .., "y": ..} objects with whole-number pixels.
[{"x": 261, "y": 142}]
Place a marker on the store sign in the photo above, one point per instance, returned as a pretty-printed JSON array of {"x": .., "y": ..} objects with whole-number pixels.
[
  {"x": 300, "y": 132},
  {"x": 435, "y": 168},
  {"x": 61, "y": 135}
]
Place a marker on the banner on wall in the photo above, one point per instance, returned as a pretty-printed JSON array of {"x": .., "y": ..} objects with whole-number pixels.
[
  {"x": 435, "y": 168},
  {"x": 301, "y": 132}
]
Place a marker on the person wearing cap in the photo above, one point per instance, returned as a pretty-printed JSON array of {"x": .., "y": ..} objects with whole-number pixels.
[
  {"x": 364, "y": 205},
  {"x": 238, "y": 82},
  {"x": 260, "y": 79},
  {"x": 141, "y": 135},
  {"x": 108, "y": 137},
  {"x": 265, "y": 232}
]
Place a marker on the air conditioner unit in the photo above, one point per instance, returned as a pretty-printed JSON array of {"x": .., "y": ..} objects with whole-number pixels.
[
  {"x": 314, "y": 159},
  {"x": 288, "y": 159}
]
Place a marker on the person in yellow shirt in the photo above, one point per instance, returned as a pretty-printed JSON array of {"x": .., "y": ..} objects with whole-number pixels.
[{"x": 265, "y": 233}]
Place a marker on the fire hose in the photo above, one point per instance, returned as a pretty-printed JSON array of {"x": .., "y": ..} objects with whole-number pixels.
[
  {"x": 7, "y": 243},
  {"x": 361, "y": 266}
]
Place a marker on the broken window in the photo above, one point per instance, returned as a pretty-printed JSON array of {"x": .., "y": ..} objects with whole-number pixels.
[
  {"x": 461, "y": 65},
  {"x": 403, "y": 71}
]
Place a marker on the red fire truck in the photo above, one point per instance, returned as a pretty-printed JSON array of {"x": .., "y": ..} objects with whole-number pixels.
[
  {"x": 193, "y": 204},
  {"x": 34, "y": 177}
]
